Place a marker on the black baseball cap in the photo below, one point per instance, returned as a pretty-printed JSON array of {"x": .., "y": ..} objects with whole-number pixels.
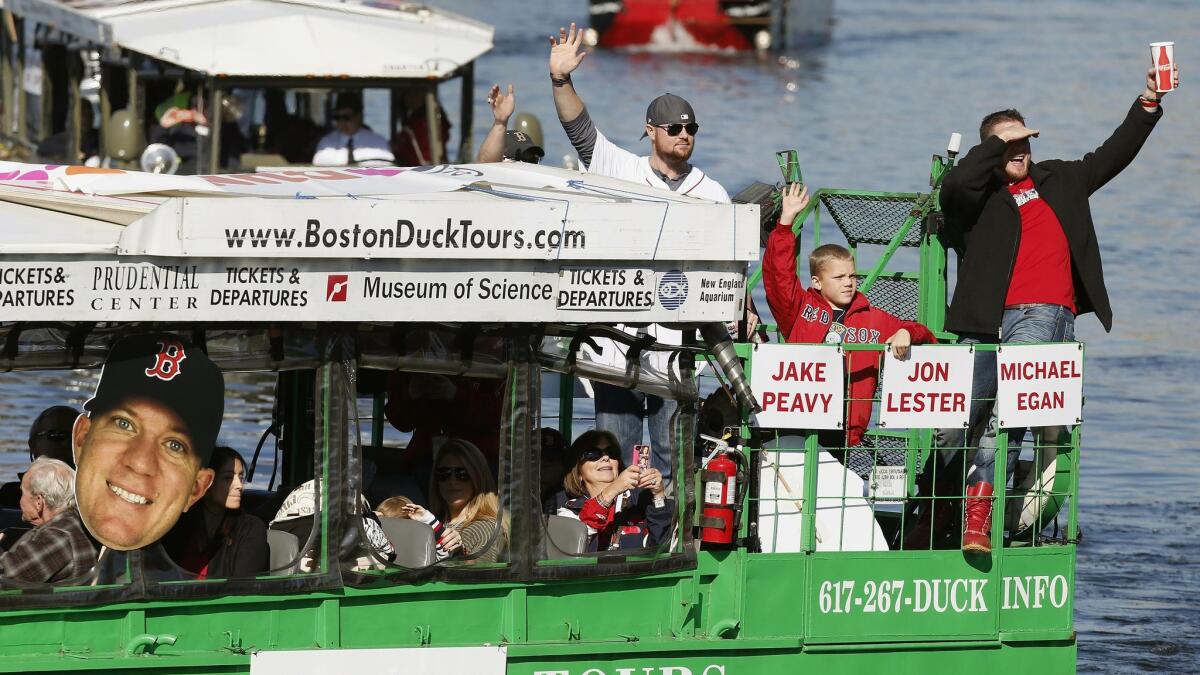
[
  {"x": 519, "y": 147},
  {"x": 669, "y": 109},
  {"x": 168, "y": 369}
]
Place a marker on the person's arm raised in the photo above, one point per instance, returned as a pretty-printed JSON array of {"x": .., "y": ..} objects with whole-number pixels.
[
  {"x": 565, "y": 57},
  {"x": 785, "y": 293},
  {"x": 503, "y": 105},
  {"x": 1105, "y": 162}
]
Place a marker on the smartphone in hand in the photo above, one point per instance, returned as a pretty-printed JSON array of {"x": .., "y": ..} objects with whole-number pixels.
[{"x": 641, "y": 456}]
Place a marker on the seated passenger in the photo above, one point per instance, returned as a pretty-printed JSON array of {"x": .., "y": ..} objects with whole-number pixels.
[
  {"x": 216, "y": 538},
  {"x": 49, "y": 436},
  {"x": 351, "y": 141},
  {"x": 832, "y": 311},
  {"x": 57, "y": 547},
  {"x": 463, "y": 496},
  {"x": 410, "y": 144},
  {"x": 296, "y": 515},
  {"x": 622, "y": 508},
  {"x": 447, "y": 541}
]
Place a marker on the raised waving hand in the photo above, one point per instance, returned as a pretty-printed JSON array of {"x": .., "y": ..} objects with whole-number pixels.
[{"x": 566, "y": 52}]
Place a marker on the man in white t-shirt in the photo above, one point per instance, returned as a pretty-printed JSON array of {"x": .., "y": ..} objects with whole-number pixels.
[
  {"x": 351, "y": 141},
  {"x": 671, "y": 126}
]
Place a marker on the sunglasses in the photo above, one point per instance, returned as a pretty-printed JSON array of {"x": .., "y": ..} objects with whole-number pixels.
[
  {"x": 531, "y": 156},
  {"x": 674, "y": 129},
  {"x": 444, "y": 473},
  {"x": 53, "y": 435},
  {"x": 594, "y": 454},
  {"x": 343, "y": 117}
]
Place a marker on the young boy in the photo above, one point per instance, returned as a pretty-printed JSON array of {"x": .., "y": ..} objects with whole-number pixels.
[
  {"x": 832, "y": 310},
  {"x": 446, "y": 541}
]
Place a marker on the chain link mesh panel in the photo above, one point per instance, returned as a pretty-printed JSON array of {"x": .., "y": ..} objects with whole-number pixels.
[
  {"x": 895, "y": 295},
  {"x": 872, "y": 219},
  {"x": 875, "y": 451}
]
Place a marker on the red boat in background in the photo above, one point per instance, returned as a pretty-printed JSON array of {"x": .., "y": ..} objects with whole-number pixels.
[{"x": 685, "y": 25}]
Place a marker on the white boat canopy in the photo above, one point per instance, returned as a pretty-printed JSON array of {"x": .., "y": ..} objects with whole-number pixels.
[
  {"x": 275, "y": 38},
  {"x": 484, "y": 242}
]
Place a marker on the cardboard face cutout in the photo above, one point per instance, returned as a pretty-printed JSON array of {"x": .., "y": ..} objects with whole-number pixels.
[{"x": 142, "y": 446}]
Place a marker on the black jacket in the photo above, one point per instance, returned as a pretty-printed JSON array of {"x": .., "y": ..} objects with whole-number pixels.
[
  {"x": 243, "y": 553},
  {"x": 983, "y": 223}
]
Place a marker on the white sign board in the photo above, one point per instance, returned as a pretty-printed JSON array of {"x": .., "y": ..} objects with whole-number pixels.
[
  {"x": 799, "y": 386},
  {"x": 1039, "y": 385},
  {"x": 931, "y": 389},
  {"x": 63, "y": 288},
  {"x": 487, "y": 660}
]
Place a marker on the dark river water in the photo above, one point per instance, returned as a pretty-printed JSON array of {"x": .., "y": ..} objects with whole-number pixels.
[{"x": 866, "y": 111}]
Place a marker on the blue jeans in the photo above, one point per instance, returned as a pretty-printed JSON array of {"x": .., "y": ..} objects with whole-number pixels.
[
  {"x": 621, "y": 411},
  {"x": 1020, "y": 325}
]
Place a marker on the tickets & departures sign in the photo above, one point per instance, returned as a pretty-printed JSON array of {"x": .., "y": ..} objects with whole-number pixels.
[
  {"x": 1039, "y": 385},
  {"x": 931, "y": 389},
  {"x": 799, "y": 386}
]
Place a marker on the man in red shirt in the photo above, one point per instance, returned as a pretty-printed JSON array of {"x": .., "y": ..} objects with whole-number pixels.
[{"x": 1028, "y": 262}]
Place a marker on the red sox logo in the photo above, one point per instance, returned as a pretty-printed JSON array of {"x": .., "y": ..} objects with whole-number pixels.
[{"x": 166, "y": 362}]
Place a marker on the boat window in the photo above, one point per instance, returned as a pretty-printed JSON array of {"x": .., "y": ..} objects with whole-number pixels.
[
  {"x": 435, "y": 405},
  {"x": 608, "y": 485}
]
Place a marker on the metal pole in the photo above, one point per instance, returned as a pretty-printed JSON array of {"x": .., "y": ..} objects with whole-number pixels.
[
  {"x": 74, "y": 107},
  {"x": 106, "y": 73},
  {"x": 214, "y": 127},
  {"x": 7, "y": 33},
  {"x": 467, "y": 114},
  {"x": 22, "y": 98},
  {"x": 437, "y": 153},
  {"x": 566, "y": 405}
]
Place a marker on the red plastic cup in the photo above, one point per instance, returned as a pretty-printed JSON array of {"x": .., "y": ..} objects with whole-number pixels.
[{"x": 1162, "y": 57}]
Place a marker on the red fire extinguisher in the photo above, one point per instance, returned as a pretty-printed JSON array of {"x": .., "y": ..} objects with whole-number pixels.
[{"x": 719, "y": 478}]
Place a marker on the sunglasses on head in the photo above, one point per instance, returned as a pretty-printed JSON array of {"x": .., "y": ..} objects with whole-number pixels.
[
  {"x": 444, "y": 473},
  {"x": 674, "y": 129},
  {"x": 594, "y": 454},
  {"x": 52, "y": 435}
]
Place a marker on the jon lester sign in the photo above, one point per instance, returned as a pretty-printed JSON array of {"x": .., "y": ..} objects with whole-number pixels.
[
  {"x": 930, "y": 389},
  {"x": 1039, "y": 385},
  {"x": 799, "y": 386}
]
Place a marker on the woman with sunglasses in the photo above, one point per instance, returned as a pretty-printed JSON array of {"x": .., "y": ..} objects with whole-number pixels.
[
  {"x": 623, "y": 507},
  {"x": 462, "y": 494}
]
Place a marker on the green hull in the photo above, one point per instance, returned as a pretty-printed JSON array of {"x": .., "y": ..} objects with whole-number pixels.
[{"x": 735, "y": 613}]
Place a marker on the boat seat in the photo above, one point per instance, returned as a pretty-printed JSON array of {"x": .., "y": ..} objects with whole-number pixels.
[
  {"x": 413, "y": 541},
  {"x": 285, "y": 549},
  {"x": 566, "y": 537}
]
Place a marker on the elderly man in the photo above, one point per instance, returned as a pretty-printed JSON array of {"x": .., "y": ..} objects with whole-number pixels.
[
  {"x": 143, "y": 447},
  {"x": 57, "y": 547}
]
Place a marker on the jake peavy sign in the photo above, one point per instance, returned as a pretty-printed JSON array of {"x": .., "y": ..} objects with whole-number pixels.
[
  {"x": 62, "y": 288},
  {"x": 799, "y": 386}
]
